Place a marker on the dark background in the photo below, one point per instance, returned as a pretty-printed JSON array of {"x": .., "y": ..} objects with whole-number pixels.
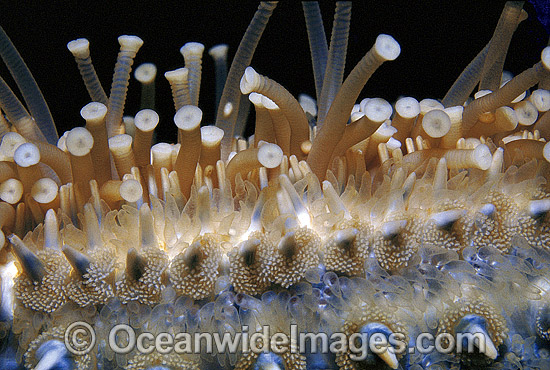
[{"x": 438, "y": 39}]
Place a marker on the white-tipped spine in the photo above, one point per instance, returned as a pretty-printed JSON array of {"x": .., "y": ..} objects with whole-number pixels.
[
  {"x": 540, "y": 98},
  {"x": 146, "y": 120},
  {"x": 526, "y": 112},
  {"x": 270, "y": 155},
  {"x": 131, "y": 191},
  {"x": 179, "y": 83},
  {"x": 80, "y": 48},
  {"x": 146, "y": 73},
  {"x": 26, "y": 155},
  {"x": 386, "y": 48},
  {"x": 192, "y": 54},
  {"x": 11, "y": 191},
  {"x": 123, "y": 155},
  {"x": 377, "y": 110},
  {"x": 129, "y": 46},
  {"x": 436, "y": 123}
]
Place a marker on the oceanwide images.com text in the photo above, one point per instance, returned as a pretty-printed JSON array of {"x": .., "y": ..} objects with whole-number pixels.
[{"x": 80, "y": 339}]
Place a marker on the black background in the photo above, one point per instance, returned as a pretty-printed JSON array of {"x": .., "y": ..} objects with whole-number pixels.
[{"x": 438, "y": 39}]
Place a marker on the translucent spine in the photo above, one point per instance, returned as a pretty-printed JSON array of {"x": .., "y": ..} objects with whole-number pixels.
[
  {"x": 317, "y": 43},
  {"x": 179, "y": 83},
  {"x": 120, "y": 147},
  {"x": 29, "y": 89},
  {"x": 385, "y": 48},
  {"x": 146, "y": 120},
  {"x": 79, "y": 144},
  {"x": 146, "y": 74},
  {"x": 219, "y": 54},
  {"x": 57, "y": 160},
  {"x": 299, "y": 126},
  {"x": 507, "y": 93},
  {"x": 94, "y": 114},
  {"x": 80, "y": 48},
  {"x": 188, "y": 120},
  {"x": 468, "y": 79},
  {"x": 4, "y": 126},
  {"x": 192, "y": 54},
  {"x": 334, "y": 73},
  {"x": 228, "y": 108},
  {"x": 129, "y": 46},
  {"x": 17, "y": 114},
  {"x": 498, "y": 47}
]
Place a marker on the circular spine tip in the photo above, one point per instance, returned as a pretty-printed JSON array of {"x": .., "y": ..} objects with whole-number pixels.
[
  {"x": 132, "y": 43},
  {"x": 270, "y": 155},
  {"x": 407, "y": 107},
  {"x": 146, "y": 120},
  {"x": 377, "y": 110},
  {"x": 131, "y": 190},
  {"x": 192, "y": 49},
  {"x": 526, "y": 113},
  {"x": 386, "y": 47},
  {"x": 79, "y": 141},
  {"x": 436, "y": 123},
  {"x": 44, "y": 190},
  {"x": 120, "y": 142},
  {"x": 483, "y": 157},
  {"x": 177, "y": 75},
  {"x": 249, "y": 80},
  {"x": 188, "y": 117},
  {"x": 541, "y": 99},
  {"x": 146, "y": 73},
  {"x": 218, "y": 51},
  {"x": 93, "y": 110},
  {"x": 26, "y": 155},
  {"x": 80, "y": 48},
  {"x": 11, "y": 191},
  {"x": 211, "y": 134},
  {"x": 545, "y": 58}
]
